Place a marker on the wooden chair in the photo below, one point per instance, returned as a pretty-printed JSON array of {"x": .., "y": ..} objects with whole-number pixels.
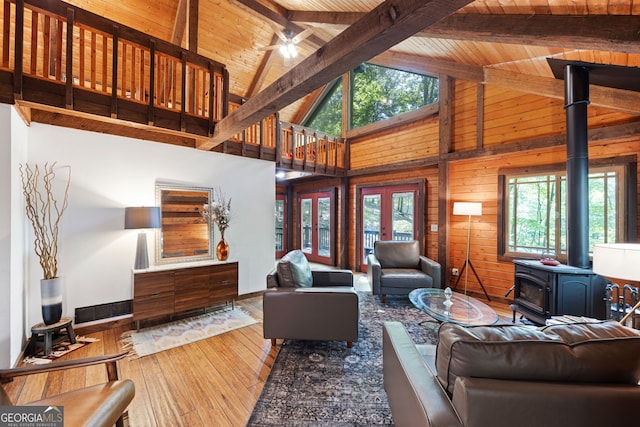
[{"x": 93, "y": 406}]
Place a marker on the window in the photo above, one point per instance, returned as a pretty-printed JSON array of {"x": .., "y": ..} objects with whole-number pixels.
[
  {"x": 377, "y": 93},
  {"x": 535, "y": 211},
  {"x": 327, "y": 116}
]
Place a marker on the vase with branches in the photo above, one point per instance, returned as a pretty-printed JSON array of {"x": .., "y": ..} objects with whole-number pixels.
[
  {"x": 45, "y": 211},
  {"x": 219, "y": 212}
]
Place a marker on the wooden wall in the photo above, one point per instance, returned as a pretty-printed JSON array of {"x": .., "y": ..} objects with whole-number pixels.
[{"x": 491, "y": 128}]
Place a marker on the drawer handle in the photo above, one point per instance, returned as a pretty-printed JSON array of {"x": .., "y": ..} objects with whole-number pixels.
[
  {"x": 224, "y": 282},
  {"x": 155, "y": 294}
]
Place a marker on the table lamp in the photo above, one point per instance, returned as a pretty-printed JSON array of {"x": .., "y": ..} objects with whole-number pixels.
[
  {"x": 141, "y": 218},
  {"x": 618, "y": 261}
]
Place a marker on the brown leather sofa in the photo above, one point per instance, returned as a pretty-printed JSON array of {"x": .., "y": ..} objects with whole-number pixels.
[
  {"x": 581, "y": 375},
  {"x": 306, "y": 304},
  {"x": 396, "y": 267}
]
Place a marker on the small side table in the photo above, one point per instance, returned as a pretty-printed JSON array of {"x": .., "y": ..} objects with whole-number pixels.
[{"x": 49, "y": 335}]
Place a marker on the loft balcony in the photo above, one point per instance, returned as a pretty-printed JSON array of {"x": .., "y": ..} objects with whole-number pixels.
[{"x": 80, "y": 65}]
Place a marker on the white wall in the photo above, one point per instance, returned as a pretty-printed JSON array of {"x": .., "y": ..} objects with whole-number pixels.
[
  {"x": 5, "y": 234},
  {"x": 109, "y": 173},
  {"x": 12, "y": 237}
]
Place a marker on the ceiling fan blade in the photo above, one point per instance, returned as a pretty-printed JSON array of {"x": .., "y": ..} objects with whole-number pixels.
[
  {"x": 272, "y": 47},
  {"x": 303, "y": 35},
  {"x": 281, "y": 35}
]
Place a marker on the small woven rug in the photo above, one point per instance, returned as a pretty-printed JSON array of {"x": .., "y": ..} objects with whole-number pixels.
[
  {"x": 58, "y": 350},
  {"x": 324, "y": 383},
  {"x": 184, "y": 331}
]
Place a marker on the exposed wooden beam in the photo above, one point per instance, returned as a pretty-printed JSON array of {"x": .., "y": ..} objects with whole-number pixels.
[
  {"x": 193, "y": 26},
  {"x": 615, "y": 99},
  {"x": 616, "y": 33},
  {"x": 280, "y": 19},
  {"x": 385, "y": 26},
  {"x": 425, "y": 65},
  {"x": 317, "y": 17},
  {"x": 263, "y": 69},
  {"x": 180, "y": 23}
]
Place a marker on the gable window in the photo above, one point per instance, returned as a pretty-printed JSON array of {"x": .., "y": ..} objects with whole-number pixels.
[
  {"x": 327, "y": 116},
  {"x": 535, "y": 214},
  {"x": 377, "y": 93}
]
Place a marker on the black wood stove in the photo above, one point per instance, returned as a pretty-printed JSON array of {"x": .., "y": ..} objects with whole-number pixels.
[{"x": 542, "y": 291}]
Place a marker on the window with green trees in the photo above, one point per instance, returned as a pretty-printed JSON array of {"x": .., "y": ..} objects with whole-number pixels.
[
  {"x": 377, "y": 93},
  {"x": 536, "y": 214},
  {"x": 327, "y": 117}
]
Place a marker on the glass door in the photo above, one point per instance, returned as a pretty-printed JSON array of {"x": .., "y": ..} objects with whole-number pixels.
[
  {"x": 281, "y": 227},
  {"x": 316, "y": 226},
  {"x": 388, "y": 213}
]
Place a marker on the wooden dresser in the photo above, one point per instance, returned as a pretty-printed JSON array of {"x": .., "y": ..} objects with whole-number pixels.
[{"x": 168, "y": 289}]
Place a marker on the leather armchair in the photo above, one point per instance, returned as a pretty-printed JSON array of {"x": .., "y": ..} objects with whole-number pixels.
[
  {"x": 396, "y": 267},
  {"x": 326, "y": 310},
  {"x": 99, "y": 405}
]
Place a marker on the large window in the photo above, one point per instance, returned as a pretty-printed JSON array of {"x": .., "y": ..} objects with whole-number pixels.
[
  {"x": 377, "y": 93},
  {"x": 327, "y": 117},
  {"x": 535, "y": 214}
]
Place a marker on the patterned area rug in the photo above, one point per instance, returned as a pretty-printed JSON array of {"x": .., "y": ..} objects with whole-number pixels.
[
  {"x": 180, "y": 332},
  {"x": 58, "y": 350},
  {"x": 316, "y": 383}
]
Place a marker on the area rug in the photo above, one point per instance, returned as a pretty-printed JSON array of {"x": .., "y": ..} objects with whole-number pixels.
[
  {"x": 184, "y": 331},
  {"x": 58, "y": 350},
  {"x": 315, "y": 383}
]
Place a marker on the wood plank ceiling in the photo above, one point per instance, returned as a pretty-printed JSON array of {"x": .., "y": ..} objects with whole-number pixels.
[{"x": 502, "y": 42}]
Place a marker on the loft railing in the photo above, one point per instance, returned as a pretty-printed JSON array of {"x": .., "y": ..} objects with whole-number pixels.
[
  {"x": 294, "y": 147},
  {"x": 78, "y": 60}
]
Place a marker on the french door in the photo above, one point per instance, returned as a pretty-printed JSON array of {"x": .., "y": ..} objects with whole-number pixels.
[
  {"x": 316, "y": 226},
  {"x": 387, "y": 213},
  {"x": 281, "y": 225}
]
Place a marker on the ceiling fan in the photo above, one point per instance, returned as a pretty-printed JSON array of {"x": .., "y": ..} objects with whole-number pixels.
[{"x": 287, "y": 47}]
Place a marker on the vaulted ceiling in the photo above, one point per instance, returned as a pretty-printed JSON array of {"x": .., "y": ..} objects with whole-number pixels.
[{"x": 503, "y": 42}]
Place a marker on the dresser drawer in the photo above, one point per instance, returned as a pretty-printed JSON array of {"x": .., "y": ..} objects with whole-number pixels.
[
  {"x": 192, "y": 289},
  {"x": 223, "y": 283},
  {"x": 158, "y": 304},
  {"x": 152, "y": 283}
]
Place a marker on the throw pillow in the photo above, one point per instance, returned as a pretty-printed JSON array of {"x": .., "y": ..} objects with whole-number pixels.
[{"x": 294, "y": 270}]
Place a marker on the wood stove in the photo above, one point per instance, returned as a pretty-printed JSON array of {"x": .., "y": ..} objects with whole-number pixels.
[{"x": 542, "y": 291}]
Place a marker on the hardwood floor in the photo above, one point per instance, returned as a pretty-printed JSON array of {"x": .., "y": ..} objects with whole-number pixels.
[{"x": 213, "y": 382}]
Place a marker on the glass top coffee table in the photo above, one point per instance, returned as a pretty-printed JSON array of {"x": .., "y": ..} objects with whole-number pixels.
[{"x": 465, "y": 310}]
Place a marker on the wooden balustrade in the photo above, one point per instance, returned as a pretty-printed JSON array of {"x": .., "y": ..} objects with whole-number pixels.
[
  {"x": 67, "y": 51},
  {"x": 77, "y": 60},
  {"x": 315, "y": 151}
]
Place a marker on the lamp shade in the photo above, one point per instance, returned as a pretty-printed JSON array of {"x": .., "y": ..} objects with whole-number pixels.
[
  {"x": 142, "y": 217},
  {"x": 617, "y": 260},
  {"x": 467, "y": 208}
]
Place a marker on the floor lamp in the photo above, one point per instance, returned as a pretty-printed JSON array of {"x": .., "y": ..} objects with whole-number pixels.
[
  {"x": 620, "y": 261},
  {"x": 469, "y": 209},
  {"x": 141, "y": 218}
]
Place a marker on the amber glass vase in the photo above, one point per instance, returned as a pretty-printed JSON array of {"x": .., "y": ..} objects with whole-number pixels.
[{"x": 222, "y": 249}]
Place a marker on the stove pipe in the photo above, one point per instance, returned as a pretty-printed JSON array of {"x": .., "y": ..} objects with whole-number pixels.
[{"x": 576, "y": 95}]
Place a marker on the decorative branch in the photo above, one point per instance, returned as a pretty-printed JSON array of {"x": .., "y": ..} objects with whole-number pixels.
[
  {"x": 219, "y": 210},
  {"x": 44, "y": 212}
]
